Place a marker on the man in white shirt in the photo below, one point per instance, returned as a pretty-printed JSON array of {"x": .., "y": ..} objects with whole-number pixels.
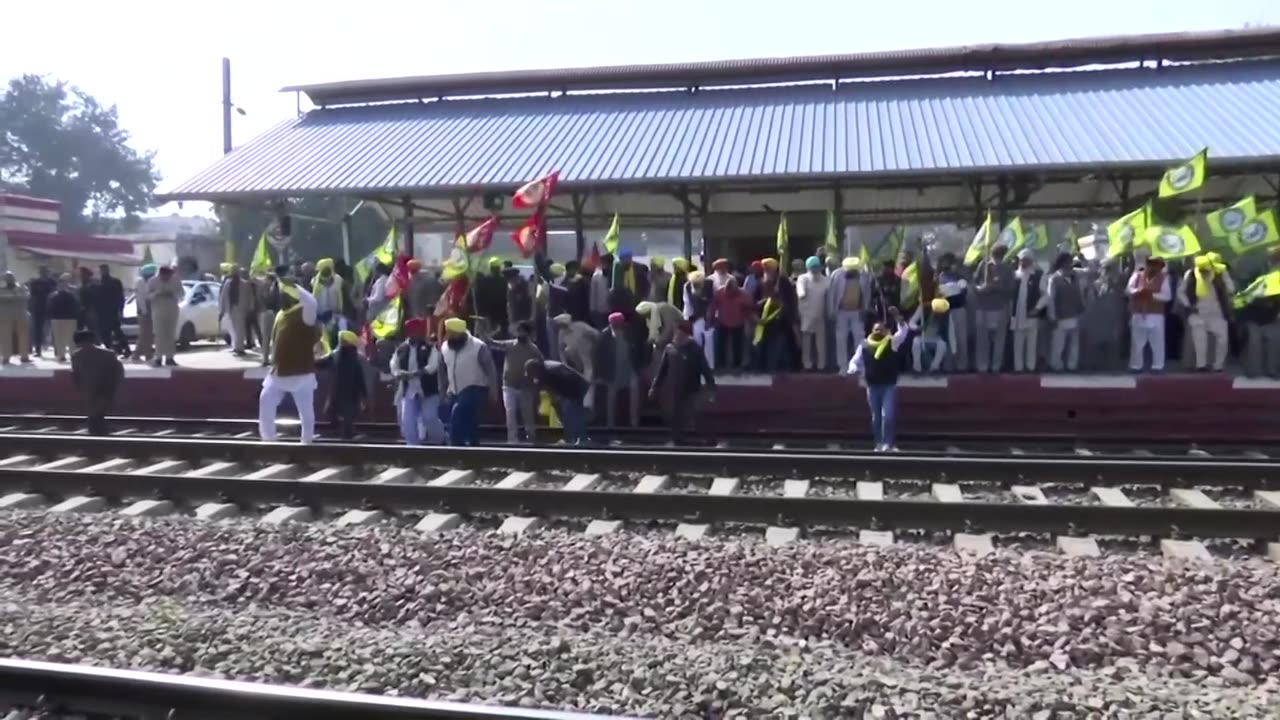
[
  {"x": 1028, "y": 303},
  {"x": 1206, "y": 291},
  {"x": 1149, "y": 290}
]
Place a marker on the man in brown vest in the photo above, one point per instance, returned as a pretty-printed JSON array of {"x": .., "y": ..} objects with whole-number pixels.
[{"x": 293, "y": 371}]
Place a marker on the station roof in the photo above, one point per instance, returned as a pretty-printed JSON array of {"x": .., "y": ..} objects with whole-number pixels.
[{"x": 1086, "y": 120}]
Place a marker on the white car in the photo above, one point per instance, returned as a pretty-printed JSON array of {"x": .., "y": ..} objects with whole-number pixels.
[{"x": 197, "y": 314}]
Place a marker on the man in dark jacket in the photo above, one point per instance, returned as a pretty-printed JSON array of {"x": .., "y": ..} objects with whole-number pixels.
[
  {"x": 348, "y": 384},
  {"x": 89, "y": 292},
  {"x": 567, "y": 389},
  {"x": 617, "y": 366},
  {"x": 98, "y": 374},
  {"x": 42, "y": 286},
  {"x": 680, "y": 374},
  {"x": 111, "y": 311},
  {"x": 64, "y": 313},
  {"x": 578, "y": 299},
  {"x": 491, "y": 297}
]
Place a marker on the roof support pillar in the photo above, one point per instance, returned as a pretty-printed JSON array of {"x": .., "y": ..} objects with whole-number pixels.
[
  {"x": 837, "y": 212},
  {"x": 579, "y": 204},
  {"x": 688, "y": 222},
  {"x": 406, "y": 203},
  {"x": 1003, "y": 202},
  {"x": 979, "y": 207}
]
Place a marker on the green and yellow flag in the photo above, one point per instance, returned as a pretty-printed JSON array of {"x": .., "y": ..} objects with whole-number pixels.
[
  {"x": 1170, "y": 243},
  {"x": 891, "y": 245},
  {"x": 1229, "y": 220},
  {"x": 1264, "y": 286},
  {"x": 146, "y": 255},
  {"x": 387, "y": 322},
  {"x": 865, "y": 256},
  {"x": 1186, "y": 177},
  {"x": 1013, "y": 237},
  {"x": 783, "y": 245},
  {"x": 261, "y": 263},
  {"x": 611, "y": 237},
  {"x": 980, "y": 246},
  {"x": 1259, "y": 231},
  {"x": 1125, "y": 233},
  {"x": 910, "y": 293},
  {"x": 832, "y": 241},
  {"x": 1071, "y": 243}
]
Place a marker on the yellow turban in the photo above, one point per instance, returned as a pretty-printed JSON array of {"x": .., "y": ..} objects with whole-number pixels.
[
  {"x": 680, "y": 264},
  {"x": 939, "y": 306},
  {"x": 657, "y": 261},
  {"x": 851, "y": 263},
  {"x": 557, "y": 270},
  {"x": 455, "y": 326},
  {"x": 769, "y": 264},
  {"x": 226, "y": 267},
  {"x": 495, "y": 263},
  {"x": 696, "y": 277},
  {"x": 644, "y": 308},
  {"x": 325, "y": 264},
  {"x": 346, "y": 337}
]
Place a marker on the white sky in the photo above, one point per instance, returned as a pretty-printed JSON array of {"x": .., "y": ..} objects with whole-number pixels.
[{"x": 159, "y": 61}]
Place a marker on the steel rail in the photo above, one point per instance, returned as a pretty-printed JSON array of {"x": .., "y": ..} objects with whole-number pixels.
[
  {"x": 1008, "y": 470},
  {"x": 1175, "y": 441},
  {"x": 97, "y": 690},
  {"x": 752, "y": 509},
  {"x": 971, "y": 444}
]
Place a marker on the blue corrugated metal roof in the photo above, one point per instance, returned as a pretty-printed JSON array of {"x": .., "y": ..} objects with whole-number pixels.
[{"x": 909, "y": 127}]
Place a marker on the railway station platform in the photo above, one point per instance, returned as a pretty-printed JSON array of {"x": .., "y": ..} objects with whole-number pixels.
[{"x": 1192, "y": 407}]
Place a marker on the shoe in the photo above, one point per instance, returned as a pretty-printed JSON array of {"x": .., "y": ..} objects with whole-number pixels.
[
  {"x": 171, "y": 362},
  {"x": 891, "y": 448},
  {"x": 156, "y": 363},
  {"x": 878, "y": 448}
]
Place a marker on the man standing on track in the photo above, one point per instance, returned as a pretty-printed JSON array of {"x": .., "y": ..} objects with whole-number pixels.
[
  {"x": 877, "y": 362},
  {"x": 470, "y": 376},
  {"x": 293, "y": 371},
  {"x": 98, "y": 374},
  {"x": 348, "y": 386},
  {"x": 567, "y": 388},
  {"x": 415, "y": 367},
  {"x": 681, "y": 372}
]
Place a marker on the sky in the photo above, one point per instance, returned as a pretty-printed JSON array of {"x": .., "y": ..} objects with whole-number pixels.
[{"x": 159, "y": 61}]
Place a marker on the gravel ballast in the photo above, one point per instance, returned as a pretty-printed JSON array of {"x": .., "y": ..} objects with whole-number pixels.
[{"x": 646, "y": 624}]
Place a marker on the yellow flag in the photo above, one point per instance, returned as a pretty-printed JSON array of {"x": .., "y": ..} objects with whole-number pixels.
[
  {"x": 387, "y": 323},
  {"x": 1186, "y": 177},
  {"x": 865, "y": 256},
  {"x": 1257, "y": 232},
  {"x": 261, "y": 263},
  {"x": 547, "y": 409},
  {"x": 611, "y": 237},
  {"x": 891, "y": 246},
  {"x": 1125, "y": 232},
  {"x": 910, "y": 292},
  {"x": 1229, "y": 220},
  {"x": 387, "y": 251},
  {"x": 832, "y": 242},
  {"x": 783, "y": 244},
  {"x": 980, "y": 246},
  {"x": 1263, "y": 286},
  {"x": 1171, "y": 242}
]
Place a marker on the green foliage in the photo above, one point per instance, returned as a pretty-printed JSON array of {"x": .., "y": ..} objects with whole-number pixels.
[{"x": 58, "y": 142}]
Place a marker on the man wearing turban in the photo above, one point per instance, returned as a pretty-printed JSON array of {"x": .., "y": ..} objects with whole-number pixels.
[
  {"x": 348, "y": 388},
  {"x": 470, "y": 378},
  {"x": 293, "y": 370},
  {"x": 415, "y": 367},
  {"x": 878, "y": 361},
  {"x": 930, "y": 325}
]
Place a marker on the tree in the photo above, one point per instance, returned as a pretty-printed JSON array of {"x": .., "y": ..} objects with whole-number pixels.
[{"x": 58, "y": 142}]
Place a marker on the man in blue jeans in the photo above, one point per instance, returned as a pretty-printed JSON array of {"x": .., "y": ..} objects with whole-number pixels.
[
  {"x": 567, "y": 389},
  {"x": 470, "y": 377},
  {"x": 877, "y": 362}
]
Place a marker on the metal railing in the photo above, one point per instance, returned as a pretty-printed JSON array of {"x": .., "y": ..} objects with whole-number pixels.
[{"x": 83, "y": 689}]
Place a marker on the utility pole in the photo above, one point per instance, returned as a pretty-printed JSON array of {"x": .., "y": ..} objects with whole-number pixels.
[{"x": 226, "y": 106}]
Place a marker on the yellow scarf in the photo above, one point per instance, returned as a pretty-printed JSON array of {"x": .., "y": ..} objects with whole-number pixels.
[
  {"x": 671, "y": 287},
  {"x": 772, "y": 309},
  {"x": 1215, "y": 268},
  {"x": 882, "y": 345}
]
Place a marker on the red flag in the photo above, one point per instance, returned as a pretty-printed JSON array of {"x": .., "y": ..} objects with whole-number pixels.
[
  {"x": 452, "y": 298},
  {"x": 536, "y": 193},
  {"x": 481, "y": 237},
  {"x": 592, "y": 261},
  {"x": 399, "y": 278},
  {"x": 528, "y": 237}
]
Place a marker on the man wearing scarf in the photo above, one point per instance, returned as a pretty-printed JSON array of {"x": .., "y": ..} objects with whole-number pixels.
[
  {"x": 673, "y": 289},
  {"x": 293, "y": 370},
  {"x": 1206, "y": 293},
  {"x": 775, "y": 310},
  {"x": 142, "y": 307},
  {"x": 878, "y": 363},
  {"x": 697, "y": 306},
  {"x": 348, "y": 387},
  {"x": 555, "y": 303},
  {"x": 720, "y": 274},
  {"x": 416, "y": 371},
  {"x": 811, "y": 294},
  {"x": 847, "y": 303},
  {"x": 751, "y": 286},
  {"x": 235, "y": 302},
  {"x": 566, "y": 388},
  {"x": 1148, "y": 290},
  {"x": 886, "y": 292},
  {"x": 659, "y": 279},
  {"x": 661, "y": 320},
  {"x": 469, "y": 378},
  {"x": 330, "y": 294},
  {"x": 630, "y": 285}
]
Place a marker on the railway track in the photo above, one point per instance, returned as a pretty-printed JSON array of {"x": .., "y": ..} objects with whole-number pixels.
[
  {"x": 799, "y": 442},
  {"x": 977, "y": 502}
]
